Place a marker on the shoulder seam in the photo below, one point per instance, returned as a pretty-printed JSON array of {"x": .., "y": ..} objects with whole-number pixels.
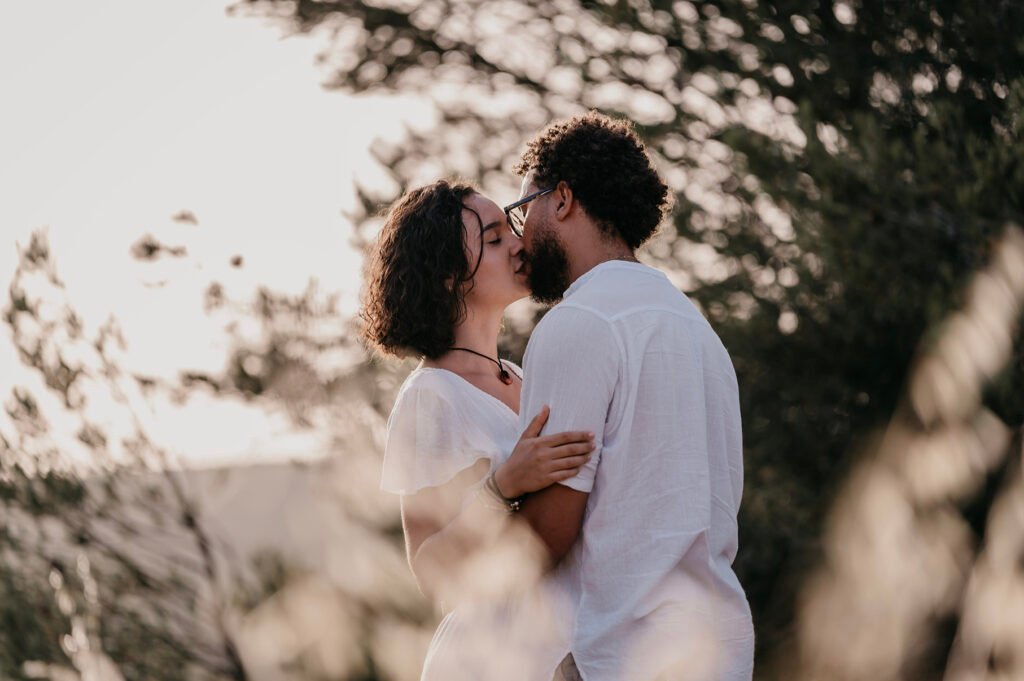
[
  {"x": 566, "y": 304},
  {"x": 658, "y": 308},
  {"x": 619, "y": 344}
]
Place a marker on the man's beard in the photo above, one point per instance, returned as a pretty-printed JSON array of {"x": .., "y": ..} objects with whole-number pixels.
[{"x": 547, "y": 268}]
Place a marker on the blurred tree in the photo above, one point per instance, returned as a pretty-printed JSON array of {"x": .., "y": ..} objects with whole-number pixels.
[{"x": 839, "y": 169}]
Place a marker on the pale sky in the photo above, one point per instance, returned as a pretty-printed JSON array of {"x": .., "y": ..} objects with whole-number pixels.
[{"x": 117, "y": 115}]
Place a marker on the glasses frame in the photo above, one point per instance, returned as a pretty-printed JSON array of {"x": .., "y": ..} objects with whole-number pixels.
[{"x": 516, "y": 223}]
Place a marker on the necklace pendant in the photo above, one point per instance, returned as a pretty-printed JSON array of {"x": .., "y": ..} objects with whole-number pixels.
[{"x": 505, "y": 378}]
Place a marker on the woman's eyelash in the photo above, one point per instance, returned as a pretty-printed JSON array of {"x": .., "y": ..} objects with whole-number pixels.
[{"x": 496, "y": 241}]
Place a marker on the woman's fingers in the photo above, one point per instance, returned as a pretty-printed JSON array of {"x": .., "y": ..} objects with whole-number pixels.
[
  {"x": 573, "y": 449},
  {"x": 537, "y": 424},
  {"x": 565, "y": 474},
  {"x": 565, "y": 438},
  {"x": 570, "y": 462}
]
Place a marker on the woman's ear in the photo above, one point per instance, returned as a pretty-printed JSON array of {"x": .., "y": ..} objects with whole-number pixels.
[{"x": 564, "y": 200}]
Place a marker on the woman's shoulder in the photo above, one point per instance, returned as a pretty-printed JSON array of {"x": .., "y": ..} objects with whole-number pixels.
[
  {"x": 428, "y": 385},
  {"x": 429, "y": 436},
  {"x": 429, "y": 380}
]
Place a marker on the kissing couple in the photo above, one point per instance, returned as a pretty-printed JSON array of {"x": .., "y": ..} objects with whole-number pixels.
[{"x": 575, "y": 518}]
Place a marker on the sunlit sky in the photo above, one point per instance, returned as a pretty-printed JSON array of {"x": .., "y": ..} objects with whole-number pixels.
[{"x": 118, "y": 115}]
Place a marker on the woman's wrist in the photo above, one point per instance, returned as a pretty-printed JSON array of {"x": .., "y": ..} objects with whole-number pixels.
[
  {"x": 506, "y": 487},
  {"x": 511, "y": 505}
]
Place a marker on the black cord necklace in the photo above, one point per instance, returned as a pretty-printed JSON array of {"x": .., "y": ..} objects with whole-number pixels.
[{"x": 503, "y": 374}]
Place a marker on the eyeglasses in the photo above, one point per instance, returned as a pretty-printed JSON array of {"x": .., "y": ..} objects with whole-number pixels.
[{"x": 517, "y": 216}]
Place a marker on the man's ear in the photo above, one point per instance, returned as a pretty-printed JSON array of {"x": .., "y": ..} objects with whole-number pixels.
[{"x": 564, "y": 200}]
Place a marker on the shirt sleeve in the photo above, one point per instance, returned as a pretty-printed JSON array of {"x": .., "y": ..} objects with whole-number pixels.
[
  {"x": 572, "y": 364},
  {"x": 428, "y": 442}
]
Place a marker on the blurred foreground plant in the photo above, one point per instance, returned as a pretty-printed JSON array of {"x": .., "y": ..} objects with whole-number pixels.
[
  {"x": 94, "y": 514},
  {"x": 109, "y": 565},
  {"x": 901, "y": 569}
]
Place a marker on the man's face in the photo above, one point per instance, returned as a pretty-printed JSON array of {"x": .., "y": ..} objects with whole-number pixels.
[{"x": 546, "y": 258}]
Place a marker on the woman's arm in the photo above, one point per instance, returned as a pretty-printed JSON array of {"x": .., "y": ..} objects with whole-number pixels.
[
  {"x": 439, "y": 531},
  {"x": 442, "y": 532}
]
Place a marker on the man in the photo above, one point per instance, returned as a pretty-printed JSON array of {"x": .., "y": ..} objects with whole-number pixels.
[{"x": 648, "y": 529}]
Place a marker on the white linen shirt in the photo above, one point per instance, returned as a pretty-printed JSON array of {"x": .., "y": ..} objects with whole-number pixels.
[{"x": 629, "y": 357}]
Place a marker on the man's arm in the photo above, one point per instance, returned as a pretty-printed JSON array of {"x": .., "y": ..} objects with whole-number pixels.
[
  {"x": 572, "y": 365},
  {"x": 555, "y": 514}
]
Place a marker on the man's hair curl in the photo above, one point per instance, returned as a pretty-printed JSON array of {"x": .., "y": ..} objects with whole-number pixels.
[
  {"x": 608, "y": 169},
  {"x": 412, "y": 297}
]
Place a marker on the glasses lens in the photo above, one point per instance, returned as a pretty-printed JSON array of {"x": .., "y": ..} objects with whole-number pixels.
[{"x": 515, "y": 221}]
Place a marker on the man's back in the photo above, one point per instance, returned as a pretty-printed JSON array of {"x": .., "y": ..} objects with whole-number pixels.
[{"x": 651, "y": 574}]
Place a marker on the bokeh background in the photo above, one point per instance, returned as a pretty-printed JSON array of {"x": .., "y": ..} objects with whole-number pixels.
[{"x": 191, "y": 434}]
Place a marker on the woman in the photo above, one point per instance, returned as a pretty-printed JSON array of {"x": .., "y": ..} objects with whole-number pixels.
[{"x": 445, "y": 267}]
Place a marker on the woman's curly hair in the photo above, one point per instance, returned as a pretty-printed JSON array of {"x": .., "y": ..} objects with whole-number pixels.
[
  {"x": 605, "y": 164},
  {"x": 412, "y": 298}
]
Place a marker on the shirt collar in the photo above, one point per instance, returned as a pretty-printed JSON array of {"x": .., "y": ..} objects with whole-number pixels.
[{"x": 603, "y": 267}]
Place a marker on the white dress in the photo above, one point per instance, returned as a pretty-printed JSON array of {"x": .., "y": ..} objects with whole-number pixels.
[{"x": 441, "y": 425}]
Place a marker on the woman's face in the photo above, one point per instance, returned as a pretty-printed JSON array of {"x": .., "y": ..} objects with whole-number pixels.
[{"x": 500, "y": 279}]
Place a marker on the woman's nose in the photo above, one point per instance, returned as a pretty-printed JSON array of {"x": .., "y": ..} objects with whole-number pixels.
[{"x": 516, "y": 247}]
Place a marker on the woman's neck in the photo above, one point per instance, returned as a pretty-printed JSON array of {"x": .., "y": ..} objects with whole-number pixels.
[{"x": 478, "y": 332}]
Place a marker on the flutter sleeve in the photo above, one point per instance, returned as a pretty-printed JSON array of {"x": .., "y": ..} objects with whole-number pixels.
[{"x": 428, "y": 441}]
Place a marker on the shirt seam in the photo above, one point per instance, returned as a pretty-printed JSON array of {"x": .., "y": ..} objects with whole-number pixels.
[
  {"x": 657, "y": 308},
  {"x": 608, "y": 321},
  {"x": 611, "y": 319}
]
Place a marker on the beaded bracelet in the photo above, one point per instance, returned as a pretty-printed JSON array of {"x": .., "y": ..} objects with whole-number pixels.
[{"x": 490, "y": 488}]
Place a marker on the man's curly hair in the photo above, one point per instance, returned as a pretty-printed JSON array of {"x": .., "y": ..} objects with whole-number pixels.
[
  {"x": 409, "y": 307},
  {"x": 607, "y": 167}
]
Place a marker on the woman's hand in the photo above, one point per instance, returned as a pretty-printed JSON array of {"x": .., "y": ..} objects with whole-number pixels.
[{"x": 537, "y": 462}]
